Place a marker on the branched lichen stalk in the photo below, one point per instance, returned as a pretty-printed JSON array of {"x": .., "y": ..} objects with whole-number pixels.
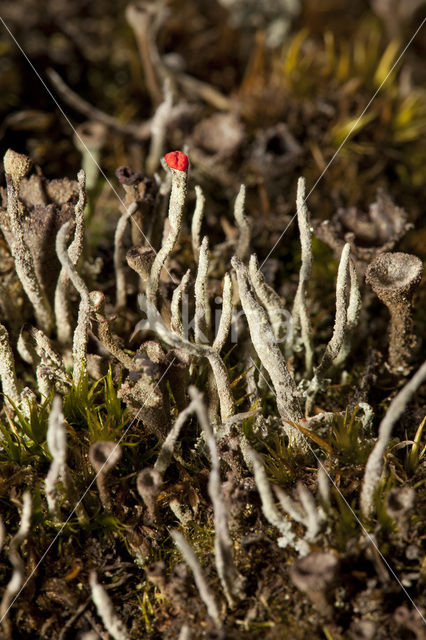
[
  {"x": 35, "y": 348},
  {"x": 63, "y": 313},
  {"x": 373, "y": 469},
  {"x": 155, "y": 323},
  {"x": 80, "y": 338},
  {"x": 263, "y": 339},
  {"x": 268, "y": 297},
  {"x": 312, "y": 520},
  {"x": 353, "y": 312},
  {"x": 106, "y": 336},
  {"x": 44, "y": 348}
]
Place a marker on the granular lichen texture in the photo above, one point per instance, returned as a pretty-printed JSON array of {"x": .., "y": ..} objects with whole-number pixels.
[{"x": 212, "y": 376}]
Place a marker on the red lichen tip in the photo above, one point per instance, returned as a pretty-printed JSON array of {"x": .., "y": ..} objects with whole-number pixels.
[{"x": 177, "y": 160}]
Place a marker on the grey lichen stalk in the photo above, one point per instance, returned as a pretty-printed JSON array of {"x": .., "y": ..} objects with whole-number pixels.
[
  {"x": 197, "y": 220},
  {"x": 175, "y": 218},
  {"x": 300, "y": 315},
  {"x": 105, "y": 609},
  {"x": 340, "y": 329},
  {"x": 226, "y": 315},
  {"x": 36, "y": 348},
  {"x": 24, "y": 264},
  {"x": 352, "y": 315},
  {"x": 80, "y": 338},
  {"x": 244, "y": 235},
  {"x": 340, "y": 321},
  {"x": 156, "y": 323},
  {"x": 268, "y": 297},
  {"x": 179, "y": 296},
  {"x": 263, "y": 339},
  {"x": 306, "y": 513},
  {"x": 202, "y": 308},
  {"x": 232, "y": 581},
  {"x": 269, "y": 508},
  {"x": 8, "y": 378},
  {"x": 106, "y": 336},
  {"x": 63, "y": 315},
  {"x": 167, "y": 448},
  {"x": 199, "y": 577},
  {"x": 15, "y": 583},
  {"x": 374, "y": 467},
  {"x": 119, "y": 256}
]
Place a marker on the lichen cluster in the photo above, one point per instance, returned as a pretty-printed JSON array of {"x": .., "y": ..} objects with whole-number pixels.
[{"x": 198, "y": 439}]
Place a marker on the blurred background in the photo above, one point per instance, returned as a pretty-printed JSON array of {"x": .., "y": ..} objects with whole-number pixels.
[{"x": 262, "y": 92}]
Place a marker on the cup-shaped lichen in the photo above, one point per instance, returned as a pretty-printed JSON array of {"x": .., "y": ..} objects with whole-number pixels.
[
  {"x": 149, "y": 483},
  {"x": 394, "y": 278},
  {"x": 104, "y": 455}
]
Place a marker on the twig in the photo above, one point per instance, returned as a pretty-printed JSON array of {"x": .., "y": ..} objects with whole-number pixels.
[{"x": 140, "y": 132}]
